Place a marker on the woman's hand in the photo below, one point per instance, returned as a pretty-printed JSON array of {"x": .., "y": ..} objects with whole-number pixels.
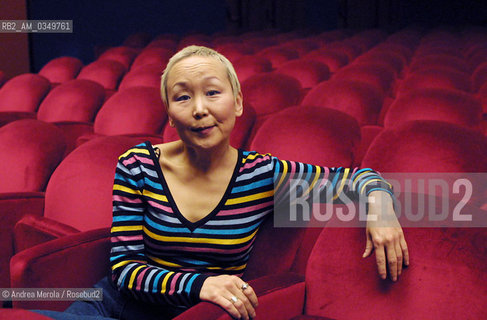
[
  {"x": 384, "y": 235},
  {"x": 232, "y": 294}
]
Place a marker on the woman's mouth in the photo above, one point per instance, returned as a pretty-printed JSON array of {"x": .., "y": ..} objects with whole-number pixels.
[{"x": 202, "y": 130}]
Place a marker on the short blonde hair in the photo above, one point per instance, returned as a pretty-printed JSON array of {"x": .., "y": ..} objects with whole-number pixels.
[{"x": 201, "y": 52}]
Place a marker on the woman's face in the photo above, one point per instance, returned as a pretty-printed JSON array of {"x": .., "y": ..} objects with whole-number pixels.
[{"x": 201, "y": 104}]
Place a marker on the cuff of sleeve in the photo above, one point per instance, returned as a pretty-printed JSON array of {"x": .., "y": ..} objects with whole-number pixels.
[{"x": 196, "y": 288}]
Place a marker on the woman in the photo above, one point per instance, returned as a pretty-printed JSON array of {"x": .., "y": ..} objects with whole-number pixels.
[{"x": 186, "y": 212}]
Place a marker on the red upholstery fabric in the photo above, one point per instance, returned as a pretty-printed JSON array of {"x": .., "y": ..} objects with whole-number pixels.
[
  {"x": 153, "y": 56},
  {"x": 32, "y": 230},
  {"x": 333, "y": 59},
  {"x": 10, "y": 116},
  {"x": 278, "y": 55},
  {"x": 73, "y": 131},
  {"x": 165, "y": 43},
  {"x": 479, "y": 76},
  {"x": 147, "y": 75},
  {"x": 436, "y": 78},
  {"x": 269, "y": 92},
  {"x": 108, "y": 73},
  {"x": 368, "y": 134},
  {"x": 482, "y": 96},
  {"x": 248, "y": 66},
  {"x": 30, "y": 152},
  {"x": 350, "y": 49},
  {"x": 14, "y": 206},
  {"x": 75, "y": 261},
  {"x": 393, "y": 59},
  {"x": 427, "y": 146},
  {"x": 3, "y": 78},
  {"x": 234, "y": 51},
  {"x": 124, "y": 55},
  {"x": 308, "y": 72},
  {"x": 438, "y": 60},
  {"x": 136, "y": 110},
  {"x": 380, "y": 75},
  {"x": 313, "y": 135},
  {"x": 79, "y": 192},
  {"x": 239, "y": 136},
  {"x": 435, "y": 104},
  {"x": 446, "y": 269},
  {"x": 23, "y": 93},
  {"x": 75, "y": 100},
  {"x": 360, "y": 100},
  {"x": 61, "y": 69},
  {"x": 302, "y": 46}
]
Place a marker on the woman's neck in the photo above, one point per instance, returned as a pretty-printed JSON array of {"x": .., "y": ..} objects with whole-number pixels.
[{"x": 207, "y": 160}]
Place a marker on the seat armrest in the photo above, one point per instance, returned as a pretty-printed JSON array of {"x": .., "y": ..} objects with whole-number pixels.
[
  {"x": 281, "y": 296},
  {"x": 32, "y": 230},
  {"x": 75, "y": 261}
]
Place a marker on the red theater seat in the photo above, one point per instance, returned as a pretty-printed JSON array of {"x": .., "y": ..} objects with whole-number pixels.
[
  {"x": 269, "y": 92},
  {"x": 278, "y": 55},
  {"x": 438, "y": 60},
  {"x": 247, "y": 66},
  {"x": 234, "y": 51},
  {"x": 61, "y": 69},
  {"x": 334, "y": 60},
  {"x": 164, "y": 43},
  {"x": 435, "y": 78},
  {"x": 147, "y": 75},
  {"x": 136, "y": 110},
  {"x": 108, "y": 73},
  {"x": 3, "y": 78},
  {"x": 379, "y": 75},
  {"x": 153, "y": 56},
  {"x": 75, "y": 100},
  {"x": 20, "y": 97},
  {"x": 308, "y": 72},
  {"x": 290, "y": 134},
  {"x": 360, "y": 100},
  {"x": 435, "y": 104},
  {"x": 427, "y": 146},
  {"x": 479, "y": 76},
  {"x": 124, "y": 55},
  {"x": 30, "y": 151}
]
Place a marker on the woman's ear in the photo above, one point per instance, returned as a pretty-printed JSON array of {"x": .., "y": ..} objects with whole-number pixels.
[
  {"x": 239, "y": 104},
  {"x": 171, "y": 122}
]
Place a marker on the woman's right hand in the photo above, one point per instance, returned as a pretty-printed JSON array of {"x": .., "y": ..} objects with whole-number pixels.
[{"x": 232, "y": 294}]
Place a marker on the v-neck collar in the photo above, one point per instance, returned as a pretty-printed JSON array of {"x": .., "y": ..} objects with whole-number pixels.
[{"x": 193, "y": 225}]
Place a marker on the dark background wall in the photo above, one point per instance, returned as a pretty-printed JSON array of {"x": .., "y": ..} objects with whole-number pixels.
[{"x": 109, "y": 22}]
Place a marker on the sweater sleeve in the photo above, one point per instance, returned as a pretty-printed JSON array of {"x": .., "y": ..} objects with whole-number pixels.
[
  {"x": 131, "y": 272},
  {"x": 335, "y": 183}
]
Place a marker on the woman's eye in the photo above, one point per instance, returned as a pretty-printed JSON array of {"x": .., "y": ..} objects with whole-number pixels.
[
  {"x": 212, "y": 92},
  {"x": 182, "y": 98}
]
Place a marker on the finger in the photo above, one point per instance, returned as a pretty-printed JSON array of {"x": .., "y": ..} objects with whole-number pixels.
[
  {"x": 242, "y": 304},
  {"x": 249, "y": 292},
  {"x": 392, "y": 261},
  {"x": 405, "y": 251},
  {"x": 368, "y": 247},
  {"x": 380, "y": 258},
  {"x": 399, "y": 257},
  {"x": 247, "y": 304},
  {"x": 228, "y": 306}
]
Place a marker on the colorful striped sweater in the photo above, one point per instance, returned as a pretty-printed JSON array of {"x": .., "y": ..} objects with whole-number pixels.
[{"x": 158, "y": 256}]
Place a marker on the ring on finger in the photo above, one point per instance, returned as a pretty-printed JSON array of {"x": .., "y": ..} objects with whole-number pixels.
[
  {"x": 244, "y": 286},
  {"x": 234, "y": 299}
]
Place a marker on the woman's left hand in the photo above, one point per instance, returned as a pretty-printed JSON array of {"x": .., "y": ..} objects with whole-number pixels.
[{"x": 384, "y": 235}]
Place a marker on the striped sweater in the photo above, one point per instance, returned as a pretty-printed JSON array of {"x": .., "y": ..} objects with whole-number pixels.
[{"x": 158, "y": 256}]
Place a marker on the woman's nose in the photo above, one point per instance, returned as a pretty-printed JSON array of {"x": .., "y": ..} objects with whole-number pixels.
[{"x": 199, "y": 109}]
